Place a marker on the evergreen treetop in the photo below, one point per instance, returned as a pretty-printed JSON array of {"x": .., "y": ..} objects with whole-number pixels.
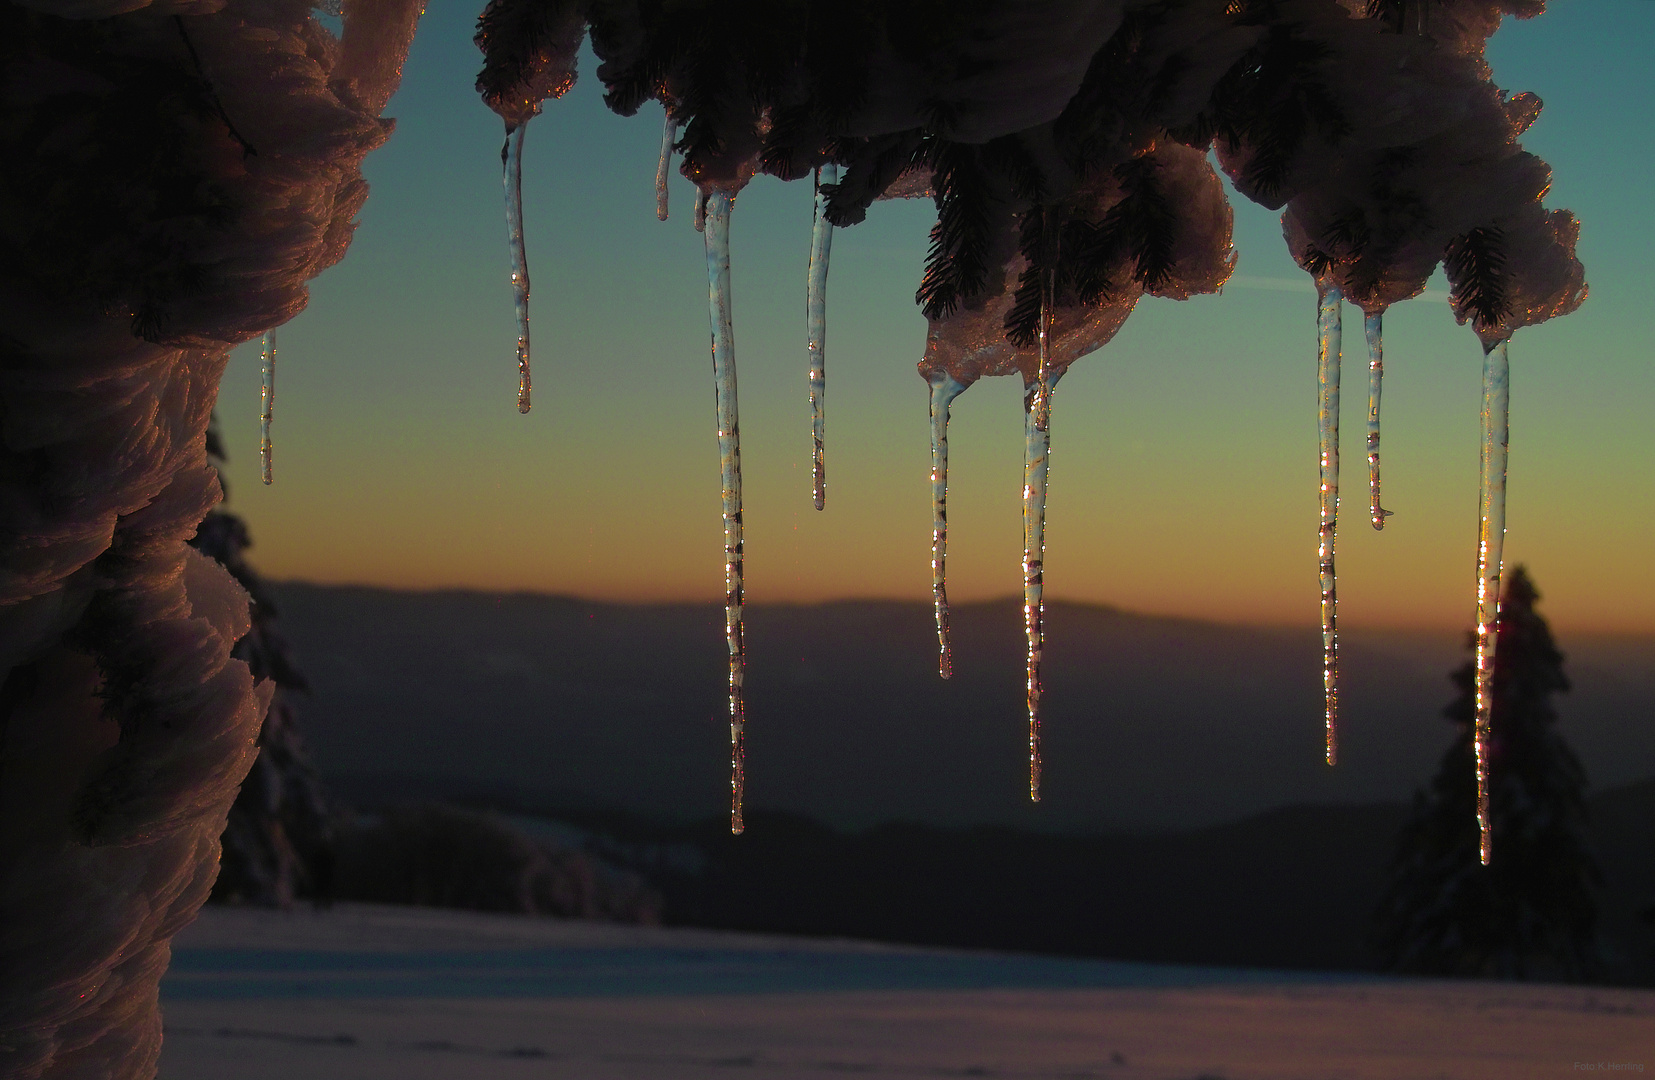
[{"x": 1531, "y": 913}]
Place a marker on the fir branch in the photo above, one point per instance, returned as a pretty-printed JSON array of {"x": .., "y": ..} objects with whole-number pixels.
[
  {"x": 871, "y": 166},
  {"x": 1009, "y": 157},
  {"x": 1138, "y": 235},
  {"x": 1092, "y": 123},
  {"x": 1347, "y": 233},
  {"x": 1476, "y": 265},
  {"x": 957, "y": 265},
  {"x": 1150, "y": 221},
  {"x": 794, "y": 145},
  {"x": 1091, "y": 261},
  {"x": 1022, "y": 324},
  {"x": 1270, "y": 102},
  {"x": 1315, "y": 261}
]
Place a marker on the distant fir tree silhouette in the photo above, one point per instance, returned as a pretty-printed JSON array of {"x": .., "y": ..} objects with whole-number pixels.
[
  {"x": 1531, "y": 913},
  {"x": 278, "y": 844}
]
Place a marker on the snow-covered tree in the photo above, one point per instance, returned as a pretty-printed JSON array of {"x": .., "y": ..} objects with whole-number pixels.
[
  {"x": 278, "y": 842},
  {"x": 1531, "y": 912}
]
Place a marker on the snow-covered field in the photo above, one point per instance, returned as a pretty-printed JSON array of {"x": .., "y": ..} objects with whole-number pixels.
[{"x": 379, "y": 993}]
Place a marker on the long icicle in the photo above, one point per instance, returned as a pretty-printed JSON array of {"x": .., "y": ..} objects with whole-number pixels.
[
  {"x": 1491, "y": 536},
  {"x": 1037, "y": 442},
  {"x": 1329, "y": 334},
  {"x": 1374, "y": 326},
  {"x": 267, "y": 403},
  {"x": 821, "y": 244},
  {"x": 669, "y": 135},
  {"x": 944, "y": 389},
  {"x": 511, "y": 157},
  {"x": 719, "y": 204}
]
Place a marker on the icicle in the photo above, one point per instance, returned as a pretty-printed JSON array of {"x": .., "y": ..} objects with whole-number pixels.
[
  {"x": 1491, "y": 536},
  {"x": 719, "y": 204},
  {"x": 1374, "y": 325},
  {"x": 944, "y": 389},
  {"x": 1327, "y": 422},
  {"x": 267, "y": 403},
  {"x": 1037, "y": 442},
  {"x": 669, "y": 135},
  {"x": 821, "y": 243},
  {"x": 511, "y": 156},
  {"x": 700, "y": 211}
]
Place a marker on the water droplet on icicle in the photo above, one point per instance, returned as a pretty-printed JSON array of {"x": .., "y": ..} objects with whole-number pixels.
[
  {"x": 1374, "y": 325},
  {"x": 1329, "y": 334},
  {"x": 669, "y": 135},
  {"x": 1491, "y": 536},
  {"x": 821, "y": 243},
  {"x": 719, "y": 204},
  {"x": 1037, "y": 444},
  {"x": 701, "y": 211},
  {"x": 511, "y": 157},
  {"x": 944, "y": 389},
  {"x": 267, "y": 403}
]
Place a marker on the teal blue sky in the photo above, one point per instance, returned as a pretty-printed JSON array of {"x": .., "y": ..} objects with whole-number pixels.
[{"x": 1184, "y": 454}]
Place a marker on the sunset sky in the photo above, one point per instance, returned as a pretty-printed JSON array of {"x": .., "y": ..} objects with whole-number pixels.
[{"x": 1184, "y": 454}]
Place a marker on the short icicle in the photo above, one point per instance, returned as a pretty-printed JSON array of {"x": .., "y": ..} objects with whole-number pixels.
[
  {"x": 511, "y": 156},
  {"x": 1374, "y": 325},
  {"x": 821, "y": 243},
  {"x": 267, "y": 403},
  {"x": 944, "y": 389},
  {"x": 719, "y": 204},
  {"x": 1037, "y": 444},
  {"x": 669, "y": 135},
  {"x": 1329, "y": 334},
  {"x": 701, "y": 211},
  {"x": 1491, "y": 536}
]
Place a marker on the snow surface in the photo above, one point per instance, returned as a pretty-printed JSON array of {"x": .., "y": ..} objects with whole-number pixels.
[{"x": 364, "y": 992}]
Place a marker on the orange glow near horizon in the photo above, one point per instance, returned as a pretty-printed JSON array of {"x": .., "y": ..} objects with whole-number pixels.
[{"x": 1184, "y": 455}]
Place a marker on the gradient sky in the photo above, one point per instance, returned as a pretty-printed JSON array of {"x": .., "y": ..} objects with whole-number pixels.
[{"x": 1184, "y": 455}]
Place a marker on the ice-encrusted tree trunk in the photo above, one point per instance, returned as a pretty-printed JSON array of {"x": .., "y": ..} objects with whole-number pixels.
[
  {"x": 171, "y": 174},
  {"x": 279, "y": 842}
]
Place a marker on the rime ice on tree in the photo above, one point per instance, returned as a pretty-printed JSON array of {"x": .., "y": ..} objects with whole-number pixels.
[
  {"x": 163, "y": 239},
  {"x": 1065, "y": 191}
]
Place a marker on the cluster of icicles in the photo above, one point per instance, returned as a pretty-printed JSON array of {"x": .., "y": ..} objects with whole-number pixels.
[
  {"x": 1491, "y": 529},
  {"x": 712, "y": 218}
]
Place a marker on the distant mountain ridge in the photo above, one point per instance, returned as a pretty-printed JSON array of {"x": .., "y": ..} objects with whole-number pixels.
[
  {"x": 1292, "y": 887},
  {"x": 1153, "y": 723}
]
